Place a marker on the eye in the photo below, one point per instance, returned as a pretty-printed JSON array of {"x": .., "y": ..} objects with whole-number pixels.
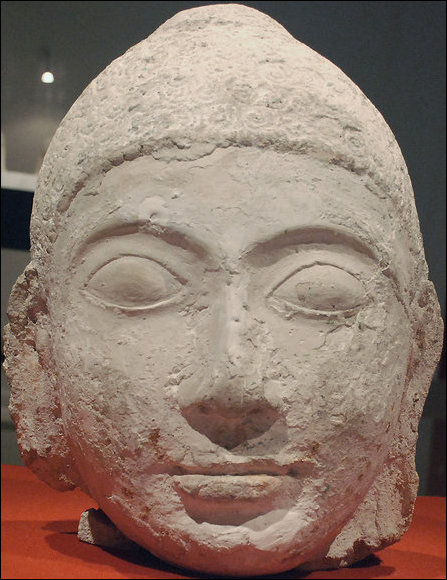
[
  {"x": 133, "y": 282},
  {"x": 321, "y": 289}
]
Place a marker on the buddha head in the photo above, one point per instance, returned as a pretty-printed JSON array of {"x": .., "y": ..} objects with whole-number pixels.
[{"x": 226, "y": 332}]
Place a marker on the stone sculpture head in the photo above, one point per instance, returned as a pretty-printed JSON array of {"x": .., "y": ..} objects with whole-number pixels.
[{"x": 226, "y": 333}]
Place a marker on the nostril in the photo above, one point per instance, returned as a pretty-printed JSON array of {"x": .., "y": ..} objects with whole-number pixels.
[{"x": 230, "y": 427}]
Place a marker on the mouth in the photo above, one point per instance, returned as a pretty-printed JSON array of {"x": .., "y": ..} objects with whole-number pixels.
[
  {"x": 254, "y": 494},
  {"x": 236, "y": 499},
  {"x": 229, "y": 488},
  {"x": 260, "y": 466}
]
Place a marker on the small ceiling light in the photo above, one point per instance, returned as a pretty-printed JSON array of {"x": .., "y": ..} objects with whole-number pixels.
[
  {"x": 46, "y": 62},
  {"x": 47, "y": 77}
]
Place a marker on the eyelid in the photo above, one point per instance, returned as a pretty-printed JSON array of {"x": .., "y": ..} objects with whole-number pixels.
[
  {"x": 309, "y": 264},
  {"x": 180, "y": 278},
  {"x": 165, "y": 234},
  {"x": 142, "y": 284},
  {"x": 293, "y": 300},
  {"x": 181, "y": 263},
  {"x": 292, "y": 309}
]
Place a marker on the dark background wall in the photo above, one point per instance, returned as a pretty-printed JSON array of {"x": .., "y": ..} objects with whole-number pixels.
[{"x": 394, "y": 51}]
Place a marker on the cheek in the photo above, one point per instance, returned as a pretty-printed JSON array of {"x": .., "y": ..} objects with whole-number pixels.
[
  {"x": 117, "y": 376},
  {"x": 147, "y": 348},
  {"x": 343, "y": 374}
]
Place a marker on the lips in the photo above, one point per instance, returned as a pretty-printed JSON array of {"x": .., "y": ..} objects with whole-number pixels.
[
  {"x": 236, "y": 490},
  {"x": 236, "y": 499},
  {"x": 225, "y": 488},
  {"x": 260, "y": 466}
]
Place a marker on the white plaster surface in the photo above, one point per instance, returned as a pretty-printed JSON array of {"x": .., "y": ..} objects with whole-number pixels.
[{"x": 226, "y": 333}]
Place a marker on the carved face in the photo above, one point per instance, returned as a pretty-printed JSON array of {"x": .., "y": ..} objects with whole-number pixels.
[{"x": 231, "y": 349}]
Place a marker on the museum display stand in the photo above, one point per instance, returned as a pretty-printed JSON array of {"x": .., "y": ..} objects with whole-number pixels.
[{"x": 39, "y": 540}]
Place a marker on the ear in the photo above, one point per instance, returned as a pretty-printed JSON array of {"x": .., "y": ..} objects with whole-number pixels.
[
  {"x": 427, "y": 343},
  {"x": 34, "y": 403},
  {"x": 427, "y": 339}
]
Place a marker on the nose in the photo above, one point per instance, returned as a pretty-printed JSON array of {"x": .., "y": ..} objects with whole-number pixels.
[{"x": 229, "y": 405}]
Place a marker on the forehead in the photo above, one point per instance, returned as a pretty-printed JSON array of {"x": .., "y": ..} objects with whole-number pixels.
[{"x": 234, "y": 196}]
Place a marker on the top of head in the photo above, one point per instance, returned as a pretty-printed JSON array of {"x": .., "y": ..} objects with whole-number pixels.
[{"x": 210, "y": 77}]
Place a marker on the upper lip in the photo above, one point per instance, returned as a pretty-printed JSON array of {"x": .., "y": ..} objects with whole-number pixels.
[{"x": 254, "y": 467}]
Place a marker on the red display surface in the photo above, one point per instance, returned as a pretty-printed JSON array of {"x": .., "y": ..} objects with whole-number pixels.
[{"x": 39, "y": 540}]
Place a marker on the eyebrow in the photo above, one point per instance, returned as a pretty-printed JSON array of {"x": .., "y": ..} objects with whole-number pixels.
[
  {"x": 172, "y": 236},
  {"x": 290, "y": 237},
  {"x": 329, "y": 235},
  {"x": 324, "y": 234}
]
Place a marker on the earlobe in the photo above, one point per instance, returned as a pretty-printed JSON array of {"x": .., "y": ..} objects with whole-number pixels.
[
  {"x": 34, "y": 403},
  {"x": 430, "y": 330},
  {"x": 427, "y": 344}
]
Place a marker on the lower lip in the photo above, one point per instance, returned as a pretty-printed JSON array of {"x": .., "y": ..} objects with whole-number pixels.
[
  {"x": 229, "y": 487},
  {"x": 233, "y": 499}
]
